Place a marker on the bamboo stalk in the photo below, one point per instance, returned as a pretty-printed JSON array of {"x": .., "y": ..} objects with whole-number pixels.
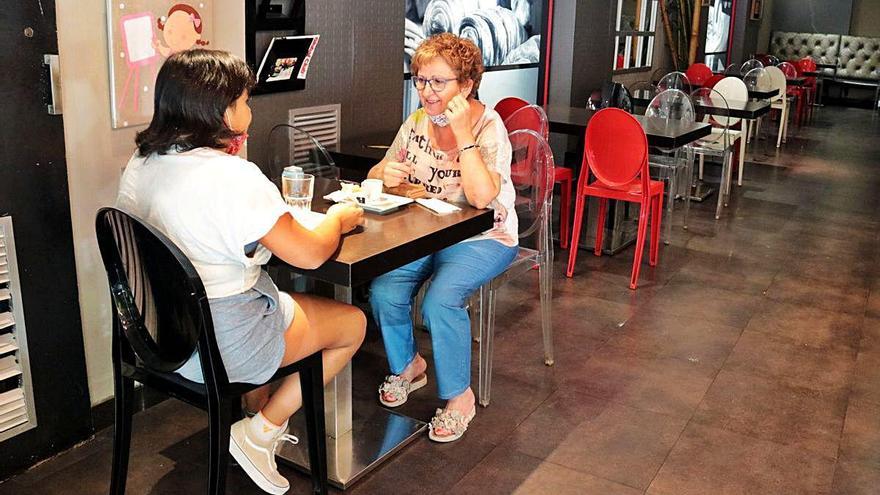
[
  {"x": 670, "y": 41},
  {"x": 695, "y": 34}
]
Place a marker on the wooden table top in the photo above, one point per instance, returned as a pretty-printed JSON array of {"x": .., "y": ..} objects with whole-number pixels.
[{"x": 386, "y": 242}]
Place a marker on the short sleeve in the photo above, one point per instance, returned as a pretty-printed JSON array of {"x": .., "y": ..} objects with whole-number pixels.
[
  {"x": 252, "y": 205},
  {"x": 397, "y": 151}
]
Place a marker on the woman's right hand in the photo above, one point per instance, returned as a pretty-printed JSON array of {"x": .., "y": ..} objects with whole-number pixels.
[
  {"x": 349, "y": 216},
  {"x": 393, "y": 173}
]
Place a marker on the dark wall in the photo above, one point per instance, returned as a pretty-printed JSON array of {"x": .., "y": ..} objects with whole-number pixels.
[
  {"x": 812, "y": 16},
  {"x": 745, "y": 33},
  {"x": 358, "y": 63},
  {"x": 34, "y": 191},
  {"x": 582, "y": 49},
  {"x": 593, "y": 47}
]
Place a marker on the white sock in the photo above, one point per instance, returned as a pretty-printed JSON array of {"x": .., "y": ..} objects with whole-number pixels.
[{"x": 263, "y": 431}]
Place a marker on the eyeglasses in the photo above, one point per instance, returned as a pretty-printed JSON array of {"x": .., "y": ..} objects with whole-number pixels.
[{"x": 436, "y": 83}]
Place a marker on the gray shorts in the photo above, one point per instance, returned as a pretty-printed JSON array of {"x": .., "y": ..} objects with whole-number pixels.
[{"x": 249, "y": 328}]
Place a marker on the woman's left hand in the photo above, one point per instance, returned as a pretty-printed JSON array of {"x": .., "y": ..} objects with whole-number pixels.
[{"x": 459, "y": 114}]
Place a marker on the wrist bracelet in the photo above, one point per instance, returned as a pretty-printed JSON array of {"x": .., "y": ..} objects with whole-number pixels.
[{"x": 470, "y": 146}]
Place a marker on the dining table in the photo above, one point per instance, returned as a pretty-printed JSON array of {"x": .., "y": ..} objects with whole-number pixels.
[{"x": 359, "y": 439}]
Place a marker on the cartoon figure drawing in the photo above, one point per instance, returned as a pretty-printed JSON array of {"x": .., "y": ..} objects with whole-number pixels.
[{"x": 181, "y": 30}]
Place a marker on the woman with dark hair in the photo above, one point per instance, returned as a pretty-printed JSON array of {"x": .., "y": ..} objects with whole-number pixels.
[
  {"x": 458, "y": 150},
  {"x": 228, "y": 218}
]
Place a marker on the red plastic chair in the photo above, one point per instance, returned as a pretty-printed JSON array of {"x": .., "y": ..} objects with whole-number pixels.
[
  {"x": 510, "y": 111},
  {"x": 798, "y": 92},
  {"x": 807, "y": 64},
  {"x": 616, "y": 152},
  {"x": 711, "y": 81},
  {"x": 698, "y": 74}
]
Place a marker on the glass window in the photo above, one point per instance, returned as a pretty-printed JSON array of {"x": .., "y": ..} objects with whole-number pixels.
[{"x": 634, "y": 34}]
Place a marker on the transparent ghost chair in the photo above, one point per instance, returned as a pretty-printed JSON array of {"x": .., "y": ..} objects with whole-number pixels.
[
  {"x": 532, "y": 177},
  {"x": 674, "y": 80},
  {"x": 750, "y": 64},
  {"x": 291, "y": 145},
  {"x": 532, "y": 173},
  {"x": 712, "y": 107},
  {"x": 643, "y": 90},
  {"x": 732, "y": 70},
  {"x": 758, "y": 79},
  {"x": 671, "y": 166}
]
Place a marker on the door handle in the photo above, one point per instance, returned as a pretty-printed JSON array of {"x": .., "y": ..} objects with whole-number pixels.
[{"x": 54, "y": 107}]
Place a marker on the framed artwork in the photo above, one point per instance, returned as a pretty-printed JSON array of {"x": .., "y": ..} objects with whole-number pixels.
[
  {"x": 757, "y": 8},
  {"x": 141, "y": 34}
]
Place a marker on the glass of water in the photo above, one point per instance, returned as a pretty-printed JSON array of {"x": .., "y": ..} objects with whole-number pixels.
[{"x": 298, "y": 191}]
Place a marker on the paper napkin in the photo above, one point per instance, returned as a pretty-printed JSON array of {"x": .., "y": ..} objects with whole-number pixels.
[{"x": 437, "y": 205}]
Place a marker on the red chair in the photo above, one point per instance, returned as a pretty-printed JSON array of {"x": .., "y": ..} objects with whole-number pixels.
[
  {"x": 698, "y": 73},
  {"x": 807, "y": 64},
  {"x": 797, "y": 92},
  {"x": 616, "y": 152},
  {"x": 510, "y": 110},
  {"x": 710, "y": 83}
]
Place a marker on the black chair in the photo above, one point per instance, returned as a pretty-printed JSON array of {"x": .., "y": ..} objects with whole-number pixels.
[{"x": 161, "y": 315}]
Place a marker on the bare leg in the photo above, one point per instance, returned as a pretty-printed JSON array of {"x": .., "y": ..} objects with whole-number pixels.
[
  {"x": 256, "y": 399},
  {"x": 318, "y": 324}
]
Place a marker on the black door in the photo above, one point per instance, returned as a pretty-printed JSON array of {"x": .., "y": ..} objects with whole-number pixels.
[{"x": 33, "y": 191}]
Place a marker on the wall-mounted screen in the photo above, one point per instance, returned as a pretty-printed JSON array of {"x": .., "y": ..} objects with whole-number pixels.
[{"x": 508, "y": 32}]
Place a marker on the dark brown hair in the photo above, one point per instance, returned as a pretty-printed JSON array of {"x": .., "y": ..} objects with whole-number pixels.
[{"x": 193, "y": 90}]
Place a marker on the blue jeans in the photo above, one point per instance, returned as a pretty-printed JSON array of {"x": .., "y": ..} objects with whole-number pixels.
[{"x": 455, "y": 272}]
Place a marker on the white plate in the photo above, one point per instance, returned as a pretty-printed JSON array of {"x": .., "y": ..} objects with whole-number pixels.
[{"x": 385, "y": 204}]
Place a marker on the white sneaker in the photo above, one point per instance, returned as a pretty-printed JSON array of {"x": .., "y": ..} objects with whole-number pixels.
[{"x": 259, "y": 461}]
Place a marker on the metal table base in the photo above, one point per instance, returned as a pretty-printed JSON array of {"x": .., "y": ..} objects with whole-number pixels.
[
  {"x": 356, "y": 441},
  {"x": 376, "y": 434}
]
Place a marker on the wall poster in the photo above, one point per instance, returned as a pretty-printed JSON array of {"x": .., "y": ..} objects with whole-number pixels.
[
  {"x": 141, "y": 34},
  {"x": 508, "y": 32}
]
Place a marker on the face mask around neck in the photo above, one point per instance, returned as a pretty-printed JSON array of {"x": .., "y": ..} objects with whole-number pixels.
[{"x": 236, "y": 143}]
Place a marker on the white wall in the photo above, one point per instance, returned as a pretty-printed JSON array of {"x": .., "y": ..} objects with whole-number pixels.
[{"x": 96, "y": 154}]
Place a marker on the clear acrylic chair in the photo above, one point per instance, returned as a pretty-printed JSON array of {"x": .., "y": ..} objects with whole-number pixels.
[
  {"x": 759, "y": 79},
  {"x": 291, "y": 145},
  {"x": 721, "y": 141},
  {"x": 732, "y": 70},
  {"x": 673, "y": 168},
  {"x": 532, "y": 177},
  {"x": 749, "y": 65},
  {"x": 533, "y": 117},
  {"x": 674, "y": 80}
]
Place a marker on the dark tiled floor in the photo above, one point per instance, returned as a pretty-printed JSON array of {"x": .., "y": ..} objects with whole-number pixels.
[{"x": 746, "y": 363}]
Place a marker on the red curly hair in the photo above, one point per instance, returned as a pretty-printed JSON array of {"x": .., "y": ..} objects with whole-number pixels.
[{"x": 461, "y": 54}]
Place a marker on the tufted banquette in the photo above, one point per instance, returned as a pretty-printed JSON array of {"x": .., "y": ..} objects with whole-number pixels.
[{"x": 858, "y": 57}]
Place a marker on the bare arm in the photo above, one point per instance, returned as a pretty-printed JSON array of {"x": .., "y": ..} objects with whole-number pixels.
[
  {"x": 480, "y": 185},
  {"x": 306, "y": 248}
]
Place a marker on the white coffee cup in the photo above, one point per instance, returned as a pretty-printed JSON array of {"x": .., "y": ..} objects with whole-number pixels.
[{"x": 372, "y": 189}]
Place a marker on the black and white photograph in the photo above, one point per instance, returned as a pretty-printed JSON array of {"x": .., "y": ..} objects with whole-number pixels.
[{"x": 508, "y": 32}]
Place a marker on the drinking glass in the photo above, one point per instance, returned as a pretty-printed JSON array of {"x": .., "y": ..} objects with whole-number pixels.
[{"x": 298, "y": 191}]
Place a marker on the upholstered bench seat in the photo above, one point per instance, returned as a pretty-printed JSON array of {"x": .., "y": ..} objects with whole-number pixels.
[{"x": 857, "y": 57}]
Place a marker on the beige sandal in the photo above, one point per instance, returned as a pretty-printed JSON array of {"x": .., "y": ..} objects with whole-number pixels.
[
  {"x": 453, "y": 421},
  {"x": 400, "y": 389}
]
